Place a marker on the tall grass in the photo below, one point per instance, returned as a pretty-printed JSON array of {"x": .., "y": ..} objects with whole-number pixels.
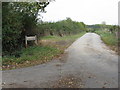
[{"x": 108, "y": 38}]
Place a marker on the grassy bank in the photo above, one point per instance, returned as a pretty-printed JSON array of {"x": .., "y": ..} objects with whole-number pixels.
[
  {"x": 59, "y": 42},
  {"x": 109, "y": 39},
  {"x": 57, "y": 38},
  {"x": 30, "y": 56},
  {"x": 49, "y": 47}
]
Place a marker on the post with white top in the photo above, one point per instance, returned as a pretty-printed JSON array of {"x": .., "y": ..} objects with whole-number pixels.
[{"x": 31, "y": 38}]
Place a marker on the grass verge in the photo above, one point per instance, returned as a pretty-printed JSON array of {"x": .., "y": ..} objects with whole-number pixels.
[
  {"x": 109, "y": 39},
  {"x": 59, "y": 42},
  {"x": 49, "y": 47},
  {"x": 30, "y": 56},
  {"x": 57, "y": 38}
]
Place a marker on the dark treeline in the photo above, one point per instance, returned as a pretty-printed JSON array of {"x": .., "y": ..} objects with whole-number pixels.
[
  {"x": 61, "y": 28},
  {"x": 103, "y": 27}
]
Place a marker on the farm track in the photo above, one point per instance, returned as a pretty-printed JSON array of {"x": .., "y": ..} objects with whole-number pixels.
[{"x": 87, "y": 63}]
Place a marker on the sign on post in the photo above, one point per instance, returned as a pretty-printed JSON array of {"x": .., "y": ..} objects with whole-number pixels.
[{"x": 31, "y": 38}]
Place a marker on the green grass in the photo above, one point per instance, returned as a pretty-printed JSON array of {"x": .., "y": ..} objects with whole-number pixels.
[
  {"x": 39, "y": 54},
  {"x": 108, "y": 38},
  {"x": 32, "y": 53},
  {"x": 69, "y": 37},
  {"x": 60, "y": 42}
]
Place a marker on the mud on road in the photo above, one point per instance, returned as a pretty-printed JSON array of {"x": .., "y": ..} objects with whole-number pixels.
[{"x": 88, "y": 63}]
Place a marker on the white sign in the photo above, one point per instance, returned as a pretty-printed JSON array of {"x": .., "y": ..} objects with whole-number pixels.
[{"x": 30, "y": 38}]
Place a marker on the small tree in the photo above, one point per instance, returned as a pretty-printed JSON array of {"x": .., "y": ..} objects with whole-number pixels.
[{"x": 19, "y": 19}]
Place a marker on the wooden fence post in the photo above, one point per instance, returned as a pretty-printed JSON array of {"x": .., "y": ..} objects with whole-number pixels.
[
  {"x": 36, "y": 40},
  {"x": 26, "y": 41}
]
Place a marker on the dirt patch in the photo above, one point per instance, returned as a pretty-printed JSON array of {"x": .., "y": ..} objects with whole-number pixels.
[
  {"x": 115, "y": 48},
  {"x": 69, "y": 81},
  {"x": 62, "y": 44}
]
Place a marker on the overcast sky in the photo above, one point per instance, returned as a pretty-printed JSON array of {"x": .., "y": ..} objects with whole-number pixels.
[{"x": 87, "y": 11}]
